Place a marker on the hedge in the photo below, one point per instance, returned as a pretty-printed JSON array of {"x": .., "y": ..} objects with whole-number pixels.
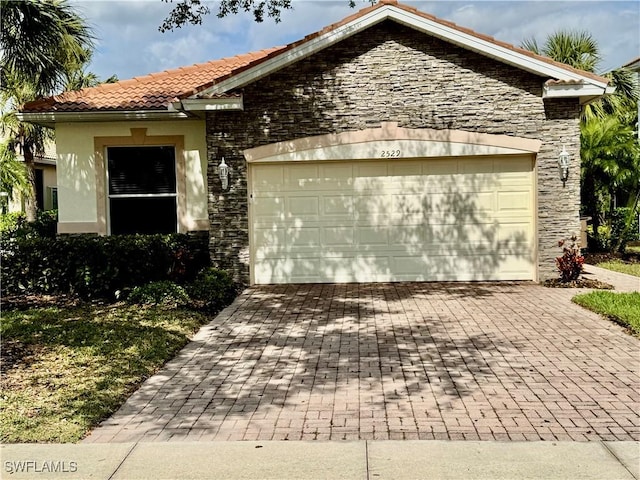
[{"x": 93, "y": 266}]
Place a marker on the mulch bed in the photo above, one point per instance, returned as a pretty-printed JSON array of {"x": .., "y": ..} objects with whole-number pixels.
[{"x": 580, "y": 283}]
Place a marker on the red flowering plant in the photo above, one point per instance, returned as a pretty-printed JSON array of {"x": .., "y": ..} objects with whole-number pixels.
[{"x": 570, "y": 264}]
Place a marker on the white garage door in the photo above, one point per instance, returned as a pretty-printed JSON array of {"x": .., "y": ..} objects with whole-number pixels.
[{"x": 392, "y": 220}]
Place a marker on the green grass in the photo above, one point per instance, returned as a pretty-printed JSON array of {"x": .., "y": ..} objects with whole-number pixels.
[
  {"x": 623, "y": 308},
  {"x": 75, "y": 366},
  {"x": 618, "y": 266}
]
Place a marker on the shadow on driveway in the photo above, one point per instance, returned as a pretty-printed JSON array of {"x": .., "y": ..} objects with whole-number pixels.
[{"x": 477, "y": 361}]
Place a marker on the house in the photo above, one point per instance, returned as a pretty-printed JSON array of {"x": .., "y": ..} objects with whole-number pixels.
[
  {"x": 46, "y": 192},
  {"x": 391, "y": 146}
]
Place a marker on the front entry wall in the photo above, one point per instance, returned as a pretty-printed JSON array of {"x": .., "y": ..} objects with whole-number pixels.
[
  {"x": 393, "y": 220},
  {"x": 391, "y": 73}
]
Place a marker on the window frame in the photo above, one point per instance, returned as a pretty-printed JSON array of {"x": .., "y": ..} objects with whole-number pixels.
[
  {"x": 138, "y": 138},
  {"x": 139, "y": 195}
]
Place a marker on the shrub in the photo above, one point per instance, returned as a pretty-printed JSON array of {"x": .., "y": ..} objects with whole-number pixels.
[
  {"x": 621, "y": 233},
  {"x": 212, "y": 290},
  {"x": 163, "y": 292},
  {"x": 93, "y": 266},
  {"x": 15, "y": 225},
  {"x": 616, "y": 234},
  {"x": 570, "y": 264},
  {"x": 11, "y": 222},
  {"x": 601, "y": 243}
]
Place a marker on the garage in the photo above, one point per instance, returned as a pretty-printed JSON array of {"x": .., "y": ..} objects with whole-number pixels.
[{"x": 393, "y": 219}]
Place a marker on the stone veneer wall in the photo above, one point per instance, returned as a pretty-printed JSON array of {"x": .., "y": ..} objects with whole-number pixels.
[{"x": 392, "y": 73}]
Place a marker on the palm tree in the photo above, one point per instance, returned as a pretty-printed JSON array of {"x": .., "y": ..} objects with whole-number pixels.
[
  {"x": 609, "y": 148},
  {"x": 580, "y": 50},
  {"x": 42, "y": 41},
  {"x": 610, "y": 164},
  {"x": 575, "y": 48},
  {"x": 14, "y": 177},
  {"x": 39, "y": 39}
]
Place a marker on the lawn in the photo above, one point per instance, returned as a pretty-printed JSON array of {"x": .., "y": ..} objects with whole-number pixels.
[
  {"x": 66, "y": 369},
  {"x": 623, "y": 308},
  {"x": 622, "y": 267}
]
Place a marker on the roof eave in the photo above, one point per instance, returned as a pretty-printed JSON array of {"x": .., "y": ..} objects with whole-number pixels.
[
  {"x": 585, "y": 92},
  {"x": 235, "y": 103},
  {"x": 413, "y": 20},
  {"x": 49, "y": 119}
]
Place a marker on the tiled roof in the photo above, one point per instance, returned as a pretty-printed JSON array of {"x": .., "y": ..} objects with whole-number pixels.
[
  {"x": 149, "y": 92},
  {"x": 156, "y": 91}
]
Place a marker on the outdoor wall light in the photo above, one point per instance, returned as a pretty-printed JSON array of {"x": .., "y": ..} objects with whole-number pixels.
[
  {"x": 563, "y": 164},
  {"x": 223, "y": 173}
]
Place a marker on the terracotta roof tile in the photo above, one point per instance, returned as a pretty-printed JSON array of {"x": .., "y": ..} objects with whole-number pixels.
[
  {"x": 149, "y": 92},
  {"x": 157, "y": 90}
]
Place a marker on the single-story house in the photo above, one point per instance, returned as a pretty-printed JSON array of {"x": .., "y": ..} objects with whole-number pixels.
[
  {"x": 391, "y": 146},
  {"x": 46, "y": 191}
]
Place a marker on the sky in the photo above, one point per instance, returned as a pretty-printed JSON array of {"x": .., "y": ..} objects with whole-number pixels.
[{"x": 128, "y": 42}]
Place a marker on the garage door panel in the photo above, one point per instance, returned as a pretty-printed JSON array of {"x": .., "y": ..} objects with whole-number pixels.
[
  {"x": 302, "y": 176},
  {"x": 405, "y": 169},
  {"x": 372, "y": 236},
  {"x": 396, "y": 220},
  {"x": 269, "y": 207},
  {"x": 303, "y": 206},
  {"x": 440, "y": 167},
  {"x": 519, "y": 200},
  {"x": 338, "y": 236},
  {"x": 514, "y": 167},
  {"x": 269, "y": 175}
]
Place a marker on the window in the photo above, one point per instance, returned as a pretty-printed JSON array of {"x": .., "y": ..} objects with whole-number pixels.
[
  {"x": 39, "y": 174},
  {"x": 142, "y": 189},
  {"x": 53, "y": 197}
]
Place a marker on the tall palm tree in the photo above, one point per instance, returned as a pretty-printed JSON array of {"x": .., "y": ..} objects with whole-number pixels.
[
  {"x": 575, "y": 48},
  {"x": 580, "y": 50},
  {"x": 41, "y": 41},
  {"x": 39, "y": 38}
]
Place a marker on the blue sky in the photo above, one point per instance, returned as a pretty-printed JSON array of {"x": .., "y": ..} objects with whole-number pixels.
[{"x": 129, "y": 43}]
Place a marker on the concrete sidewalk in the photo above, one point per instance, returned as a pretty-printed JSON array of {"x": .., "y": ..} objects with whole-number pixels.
[
  {"x": 621, "y": 282},
  {"x": 380, "y": 460}
]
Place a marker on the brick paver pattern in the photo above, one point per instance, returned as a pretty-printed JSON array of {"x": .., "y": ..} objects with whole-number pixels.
[{"x": 474, "y": 361}]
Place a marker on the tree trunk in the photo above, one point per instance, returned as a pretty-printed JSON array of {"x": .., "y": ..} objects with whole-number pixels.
[
  {"x": 590, "y": 200},
  {"x": 30, "y": 205}
]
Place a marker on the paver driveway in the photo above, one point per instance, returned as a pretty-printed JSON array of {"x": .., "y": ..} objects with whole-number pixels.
[{"x": 477, "y": 361}]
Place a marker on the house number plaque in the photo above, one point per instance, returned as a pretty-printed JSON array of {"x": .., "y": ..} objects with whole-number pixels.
[{"x": 390, "y": 153}]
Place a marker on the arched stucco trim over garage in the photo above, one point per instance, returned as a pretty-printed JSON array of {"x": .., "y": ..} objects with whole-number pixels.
[{"x": 391, "y": 141}]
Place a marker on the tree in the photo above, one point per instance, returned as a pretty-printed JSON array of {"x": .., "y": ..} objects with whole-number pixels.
[
  {"x": 608, "y": 144},
  {"x": 39, "y": 38},
  {"x": 42, "y": 41},
  {"x": 575, "y": 48},
  {"x": 192, "y": 11},
  {"x": 14, "y": 177},
  {"x": 580, "y": 50},
  {"x": 610, "y": 163}
]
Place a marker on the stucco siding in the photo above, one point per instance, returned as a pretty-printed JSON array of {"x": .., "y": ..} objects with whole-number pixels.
[
  {"x": 391, "y": 73},
  {"x": 77, "y": 184}
]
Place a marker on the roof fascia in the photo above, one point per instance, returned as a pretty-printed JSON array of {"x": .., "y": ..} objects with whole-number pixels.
[
  {"x": 493, "y": 50},
  {"x": 210, "y": 104},
  {"x": 49, "y": 119},
  {"x": 412, "y": 20},
  {"x": 586, "y": 93}
]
